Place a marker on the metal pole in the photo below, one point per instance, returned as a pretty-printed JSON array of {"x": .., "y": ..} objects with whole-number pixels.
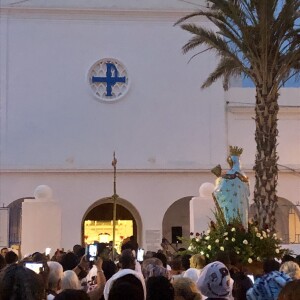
[{"x": 114, "y": 197}]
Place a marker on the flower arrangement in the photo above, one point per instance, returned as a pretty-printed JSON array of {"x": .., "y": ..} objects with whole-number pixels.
[{"x": 249, "y": 245}]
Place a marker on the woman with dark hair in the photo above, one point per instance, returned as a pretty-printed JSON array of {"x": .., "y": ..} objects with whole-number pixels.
[
  {"x": 159, "y": 288},
  {"x": 19, "y": 283},
  {"x": 290, "y": 291},
  {"x": 127, "y": 287}
]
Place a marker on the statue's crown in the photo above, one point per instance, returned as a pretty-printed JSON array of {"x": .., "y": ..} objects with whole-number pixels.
[{"x": 236, "y": 151}]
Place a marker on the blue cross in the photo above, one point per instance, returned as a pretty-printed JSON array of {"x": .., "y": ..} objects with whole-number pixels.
[{"x": 110, "y": 79}]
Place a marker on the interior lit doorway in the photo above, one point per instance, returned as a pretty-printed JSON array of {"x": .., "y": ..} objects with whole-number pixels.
[{"x": 97, "y": 223}]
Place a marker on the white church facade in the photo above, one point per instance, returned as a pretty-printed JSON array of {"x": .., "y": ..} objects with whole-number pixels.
[{"x": 82, "y": 79}]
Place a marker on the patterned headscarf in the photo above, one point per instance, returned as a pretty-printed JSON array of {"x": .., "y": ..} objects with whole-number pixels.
[
  {"x": 268, "y": 286},
  {"x": 214, "y": 281}
]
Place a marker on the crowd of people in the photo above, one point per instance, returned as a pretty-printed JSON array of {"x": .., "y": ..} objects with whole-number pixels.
[{"x": 160, "y": 276}]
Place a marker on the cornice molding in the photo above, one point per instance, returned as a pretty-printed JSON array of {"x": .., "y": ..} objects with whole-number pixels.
[
  {"x": 240, "y": 109},
  {"x": 93, "y": 14}
]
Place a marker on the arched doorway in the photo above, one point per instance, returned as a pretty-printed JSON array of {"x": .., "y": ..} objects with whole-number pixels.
[
  {"x": 287, "y": 221},
  {"x": 15, "y": 221},
  {"x": 176, "y": 222},
  {"x": 97, "y": 224}
]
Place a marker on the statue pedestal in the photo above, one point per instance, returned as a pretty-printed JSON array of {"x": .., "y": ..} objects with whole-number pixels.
[
  {"x": 201, "y": 212},
  {"x": 41, "y": 226}
]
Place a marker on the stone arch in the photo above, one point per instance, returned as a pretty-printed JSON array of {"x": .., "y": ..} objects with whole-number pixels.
[
  {"x": 287, "y": 216},
  {"x": 121, "y": 203},
  {"x": 177, "y": 216},
  {"x": 15, "y": 221}
]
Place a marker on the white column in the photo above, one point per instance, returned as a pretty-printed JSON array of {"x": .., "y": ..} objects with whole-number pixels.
[{"x": 41, "y": 224}]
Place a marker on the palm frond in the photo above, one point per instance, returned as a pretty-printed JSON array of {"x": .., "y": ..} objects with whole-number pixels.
[{"x": 225, "y": 69}]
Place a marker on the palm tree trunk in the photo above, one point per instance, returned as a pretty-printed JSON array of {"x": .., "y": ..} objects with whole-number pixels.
[{"x": 266, "y": 171}]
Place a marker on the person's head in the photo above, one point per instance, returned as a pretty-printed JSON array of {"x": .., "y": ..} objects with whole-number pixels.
[
  {"x": 197, "y": 261},
  {"x": 185, "y": 261},
  {"x": 70, "y": 281},
  {"x": 153, "y": 267},
  {"x": 186, "y": 289},
  {"x": 127, "y": 287},
  {"x": 2, "y": 262},
  {"x": 242, "y": 283},
  {"x": 162, "y": 257},
  {"x": 77, "y": 248},
  {"x": 270, "y": 265},
  {"x": 268, "y": 286},
  {"x": 69, "y": 261},
  {"x": 19, "y": 283},
  {"x": 176, "y": 264},
  {"x": 4, "y": 251},
  {"x": 38, "y": 257},
  {"x": 290, "y": 291},
  {"x": 11, "y": 257},
  {"x": 55, "y": 275},
  {"x": 127, "y": 260},
  {"x": 72, "y": 295},
  {"x": 291, "y": 268},
  {"x": 214, "y": 281},
  {"x": 287, "y": 257},
  {"x": 102, "y": 250},
  {"x": 159, "y": 288},
  {"x": 192, "y": 273}
]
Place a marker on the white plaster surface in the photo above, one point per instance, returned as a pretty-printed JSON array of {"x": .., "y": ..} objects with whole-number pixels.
[{"x": 41, "y": 226}]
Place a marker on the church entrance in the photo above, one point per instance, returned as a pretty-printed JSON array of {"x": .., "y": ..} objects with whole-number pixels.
[{"x": 97, "y": 224}]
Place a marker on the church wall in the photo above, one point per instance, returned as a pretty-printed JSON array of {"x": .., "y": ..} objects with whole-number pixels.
[
  {"x": 150, "y": 193},
  {"x": 48, "y": 99},
  {"x": 166, "y": 131}
]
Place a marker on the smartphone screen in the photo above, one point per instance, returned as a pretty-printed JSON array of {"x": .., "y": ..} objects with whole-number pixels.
[
  {"x": 140, "y": 255},
  {"x": 92, "y": 252},
  {"x": 36, "y": 267},
  {"x": 251, "y": 277},
  {"x": 47, "y": 251}
]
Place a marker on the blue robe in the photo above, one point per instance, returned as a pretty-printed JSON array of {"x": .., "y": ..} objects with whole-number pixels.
[{"x": 232, "y": 193}]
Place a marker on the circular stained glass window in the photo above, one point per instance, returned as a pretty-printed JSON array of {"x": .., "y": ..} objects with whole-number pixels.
[{"x": 108, "y": 79}]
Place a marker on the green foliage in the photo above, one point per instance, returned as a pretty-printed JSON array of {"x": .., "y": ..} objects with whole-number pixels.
[{"x": 249, "y": 245}]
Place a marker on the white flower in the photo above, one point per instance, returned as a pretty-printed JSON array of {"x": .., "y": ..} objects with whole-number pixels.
[
  {"x": 258, "y": 234},
  {"x": 197, "y": 239},
  {"x": 264, "y": 234},
  {"x": 250, "y": 260},
  {"x": 226, "y": 239},
  {"x": 207, "y": 255},
  {"x": 201, "y": 252},
  {"x": 209, "y": 247},
  {"x": 255, "y": 229},
  {"x": 208, "y": 231},
  {"x": 245, "y": 242},
  {"x": 277, "y": 250},
  {"x": 233, "y": 239},
  {"x": 268, "y": 230},
  {"x": 222, "y": 248},
  {"x": 207, "y": 237},
  {"x": 225, "y": 233},
  {"x": 274, "y": 235},
  {"x": 217, "y": 241},
  {"x": 261, "y": 237},
  {"x": 237, "y": 252},
  {"x": 232, "y": 229},
  {"x": 258, "y": 258}
]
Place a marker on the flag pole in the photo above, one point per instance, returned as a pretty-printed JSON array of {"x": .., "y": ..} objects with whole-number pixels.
[{"x": 114, "y": 198}]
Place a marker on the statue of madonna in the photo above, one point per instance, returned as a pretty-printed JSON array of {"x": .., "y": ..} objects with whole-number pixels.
[{"x": 232, "y": 190}]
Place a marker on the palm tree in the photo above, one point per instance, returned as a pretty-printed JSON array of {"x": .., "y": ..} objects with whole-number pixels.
[{"x": 258, "y": 39}]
